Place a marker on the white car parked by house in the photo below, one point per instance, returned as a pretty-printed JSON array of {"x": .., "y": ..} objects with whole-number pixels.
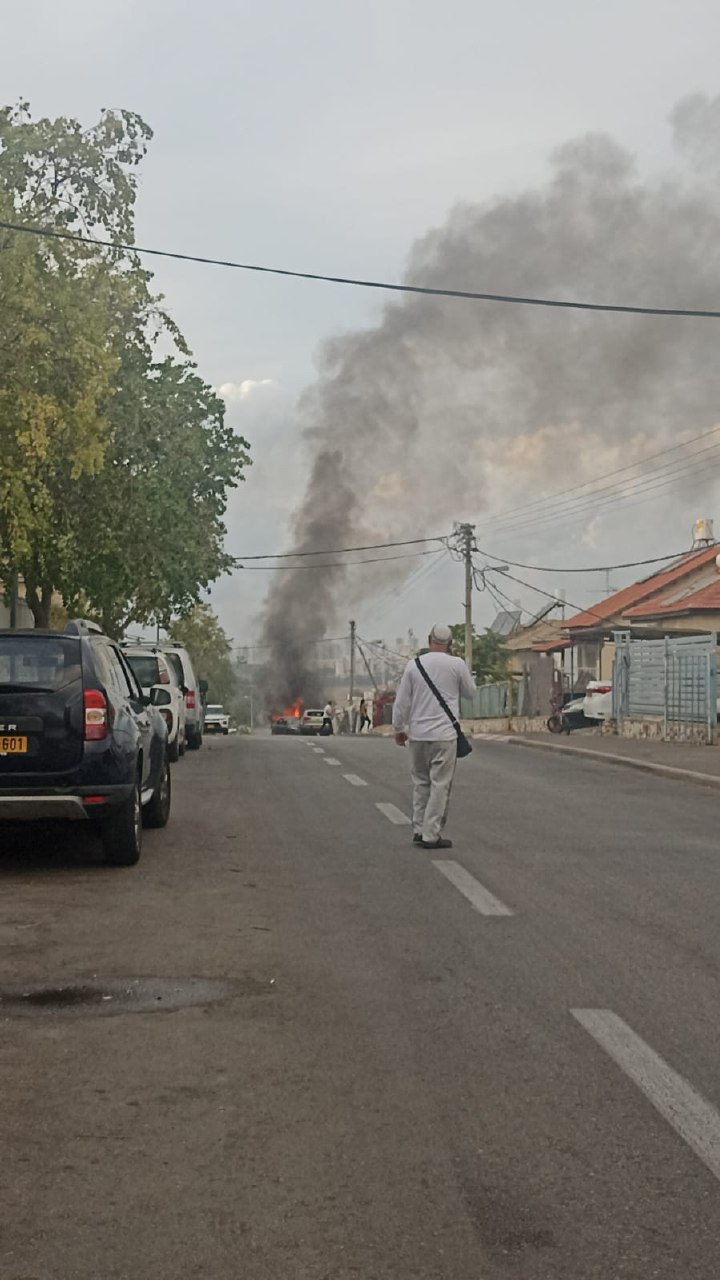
[{"x": 151, "y": 670}]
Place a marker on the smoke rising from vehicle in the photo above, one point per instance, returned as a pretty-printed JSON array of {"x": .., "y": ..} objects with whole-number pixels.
[{"x": 450, "y": 408}]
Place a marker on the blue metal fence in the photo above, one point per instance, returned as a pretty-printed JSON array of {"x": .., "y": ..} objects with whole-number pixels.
[
  {"x": 674, "y": 680},
  {"x": 491, "y": 701}
]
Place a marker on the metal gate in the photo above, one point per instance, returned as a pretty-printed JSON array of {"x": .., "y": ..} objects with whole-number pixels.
[{"x": 673, "y": 680}]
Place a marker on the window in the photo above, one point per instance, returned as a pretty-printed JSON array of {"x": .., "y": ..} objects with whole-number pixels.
[
  {"x": 145, "y": 668},
  {"x": 39, "y": 662}
]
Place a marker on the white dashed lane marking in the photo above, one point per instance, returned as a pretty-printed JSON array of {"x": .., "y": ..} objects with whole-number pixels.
[
  {"x": 392, "y": 813},
  {"x": 481, "y": 898},
  {"x": 690, "y": 1115},
  {"x": 354, "y": 780},
  {"x": 331, "y": 760}
]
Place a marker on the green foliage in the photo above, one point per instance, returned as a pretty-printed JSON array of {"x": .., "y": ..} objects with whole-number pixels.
[
  {"x": 211, "y": 652},
  {"x": 490, "y": 660},
  {"x": 114, "y": 465}
]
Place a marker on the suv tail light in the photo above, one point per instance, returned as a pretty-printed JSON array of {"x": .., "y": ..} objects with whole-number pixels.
[
  {"x": 190, "y": 700},
  {"x": 96, "y": 715}
]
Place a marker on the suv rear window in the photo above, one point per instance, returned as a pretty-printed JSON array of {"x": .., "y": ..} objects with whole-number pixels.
[
  {"x": 145, "y": 667},
  {"x": 39, "y": 662},
  {"x": 176, "y": 663}
]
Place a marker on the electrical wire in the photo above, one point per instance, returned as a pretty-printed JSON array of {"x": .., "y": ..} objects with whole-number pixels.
[
  {"x": 302, "y": 643},
  {"x": 426, "y": 290},
  {"x": 607, "y": 475},
  {"x": 596, "y": 568},
  {"x": 621, "y": 491},
  {"x": 551, "y": 596},
  {"x": 331, "y": 564},
  {"x": 591, "y": 506},
  {"x": 338, "y": 551}
]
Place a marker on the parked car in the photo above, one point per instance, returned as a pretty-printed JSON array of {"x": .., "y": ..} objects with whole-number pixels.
[
  {"x": 311, "y": 721},
  {"x": 151, "y": 669},
  {"x": 597, "y": 703},
  {"x": 78, "y": 739},
  {"x": 217, "y": 720},
  {"x": 195, "y": 692}
]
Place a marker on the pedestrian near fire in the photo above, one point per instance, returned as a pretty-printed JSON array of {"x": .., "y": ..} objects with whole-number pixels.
[
  {"x": 364, "y": 718},
  {"x": 420, "y": 719},
  {"x": 327, "y": 723}
]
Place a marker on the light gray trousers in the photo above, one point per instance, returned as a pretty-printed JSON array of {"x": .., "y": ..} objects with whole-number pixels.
[{"x": 433, "y": 770}]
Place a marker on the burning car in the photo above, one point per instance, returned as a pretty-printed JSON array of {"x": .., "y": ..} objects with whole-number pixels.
[{"x": 287, "y": 721}]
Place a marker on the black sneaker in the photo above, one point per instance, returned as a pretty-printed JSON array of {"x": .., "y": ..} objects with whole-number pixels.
[
  {"x": 417, "y": 838},
  {"x": 436, "y": 844}
]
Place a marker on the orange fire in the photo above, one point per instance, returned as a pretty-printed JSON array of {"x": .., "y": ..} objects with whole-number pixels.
[{"x": 293, "y": 712}]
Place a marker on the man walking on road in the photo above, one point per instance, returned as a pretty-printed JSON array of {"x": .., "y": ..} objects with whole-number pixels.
[{"x": 419, "y": 718}]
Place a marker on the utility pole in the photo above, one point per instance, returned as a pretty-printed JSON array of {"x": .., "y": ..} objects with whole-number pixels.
[
  {"x": 465, "y": 533},
  {"x": 352, "y": 660}
]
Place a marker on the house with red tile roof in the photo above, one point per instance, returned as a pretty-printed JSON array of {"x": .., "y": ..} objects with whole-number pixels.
[{"x": 683, "y": 597}]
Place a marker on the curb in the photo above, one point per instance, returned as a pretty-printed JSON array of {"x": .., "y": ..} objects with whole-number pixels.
[{"x": 628, "y": 762}]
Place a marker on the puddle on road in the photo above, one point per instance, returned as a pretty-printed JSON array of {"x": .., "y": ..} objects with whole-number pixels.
[{"x": 98, "y": 998}]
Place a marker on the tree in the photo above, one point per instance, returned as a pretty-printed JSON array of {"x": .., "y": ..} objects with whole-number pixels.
[
  {"x": 60, "y": 303},
  {"x": 211, "y": 652},
  {"x": 490, "y": 659},
  {"x": 148, "y": 529},
  {"x": 114, "y": 465}
]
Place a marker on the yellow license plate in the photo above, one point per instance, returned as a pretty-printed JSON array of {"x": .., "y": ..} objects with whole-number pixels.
[{"x": 11, "y": 745}]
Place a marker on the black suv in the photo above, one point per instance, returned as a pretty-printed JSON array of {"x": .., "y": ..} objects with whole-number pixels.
[{"x": 78, "y": 739}]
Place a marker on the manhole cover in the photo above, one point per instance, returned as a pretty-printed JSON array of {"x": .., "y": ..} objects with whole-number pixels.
[{"x": 117, "y": 995}]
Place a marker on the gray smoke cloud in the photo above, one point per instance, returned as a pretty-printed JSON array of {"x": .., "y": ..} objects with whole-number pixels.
[{"x": 416, "y": 422}]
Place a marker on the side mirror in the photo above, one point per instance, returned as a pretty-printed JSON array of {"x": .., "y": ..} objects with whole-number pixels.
[
  {"x": 203, "y": 686},
  {"x": 159, "y": 696}
]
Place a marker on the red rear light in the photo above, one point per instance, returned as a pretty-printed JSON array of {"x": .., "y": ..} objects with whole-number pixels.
[
  {"x": 190, "y": 700},
  {"x": 164, "y": 677},
  {"x": 96, "y": 715}
]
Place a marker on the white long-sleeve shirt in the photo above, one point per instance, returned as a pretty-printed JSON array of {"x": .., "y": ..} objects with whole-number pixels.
[{"x": 417, "y": 711}]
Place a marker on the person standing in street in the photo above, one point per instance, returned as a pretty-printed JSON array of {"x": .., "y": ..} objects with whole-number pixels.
[
  {"x": 328, "y": 713},
  {"x": 364, "y": 718},
  {"x": 418, "y": 717}
]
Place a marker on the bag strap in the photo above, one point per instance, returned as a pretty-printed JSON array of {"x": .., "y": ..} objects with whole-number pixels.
[{"x": 433, "y": 689}]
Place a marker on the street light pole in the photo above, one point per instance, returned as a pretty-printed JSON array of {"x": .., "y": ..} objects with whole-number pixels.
[{"x": 352, "y": 660}]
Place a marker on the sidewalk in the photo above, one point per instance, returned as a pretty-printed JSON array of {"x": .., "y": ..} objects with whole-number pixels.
[{"x": 670, "y": 759}]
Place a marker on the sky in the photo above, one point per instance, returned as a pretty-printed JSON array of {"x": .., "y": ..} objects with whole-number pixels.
[{"x": 330, "y": 136}]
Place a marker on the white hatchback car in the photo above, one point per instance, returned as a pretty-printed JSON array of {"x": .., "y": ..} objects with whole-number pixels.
[
  {"x": 195, "y": 691},
  {"x": 151, "y": 669},
  {"x": 597, "y": 704}
]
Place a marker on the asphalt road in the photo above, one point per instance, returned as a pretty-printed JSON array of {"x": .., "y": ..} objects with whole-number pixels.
[{"x": 505, "y": 1065}]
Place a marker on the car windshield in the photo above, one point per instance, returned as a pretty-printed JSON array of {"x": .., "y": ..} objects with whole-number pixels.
[
  {"x": 39, "y": 662},
  {"x": 146, "y": 668},
  {"x": 215, "y": 711}
]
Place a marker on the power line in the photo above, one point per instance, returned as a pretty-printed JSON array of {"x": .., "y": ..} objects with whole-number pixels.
[
  {"x": 331, "y": 564},
  {"x": 514, "y": 299},
  {"x": 551, "y": 596},
  {"x": 607, "y": 475},
  {"x": 338, "y": 551},
  {"x": 301, "y": 643},
  {"x": 642, "y": 485},
  {"x": 596, "y": 568}
]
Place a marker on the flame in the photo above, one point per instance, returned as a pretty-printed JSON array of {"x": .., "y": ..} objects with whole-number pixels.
[{"x": 293, "y": 712}]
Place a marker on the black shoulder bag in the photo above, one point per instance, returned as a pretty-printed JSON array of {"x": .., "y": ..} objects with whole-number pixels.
[{"x": 463, "y": 746}]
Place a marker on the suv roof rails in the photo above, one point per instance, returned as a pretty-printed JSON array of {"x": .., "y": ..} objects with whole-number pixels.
[{"x": 83, "y": 627}]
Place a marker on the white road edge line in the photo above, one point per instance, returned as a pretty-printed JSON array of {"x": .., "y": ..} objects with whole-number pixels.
[
  {"x": 355, "y": 780},
  {"x": 392, "y": 813},
  {"x": 690, "y": 1115},
  {"x": 331, "y": 760},
  {"x": 481, "y": 898}
]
